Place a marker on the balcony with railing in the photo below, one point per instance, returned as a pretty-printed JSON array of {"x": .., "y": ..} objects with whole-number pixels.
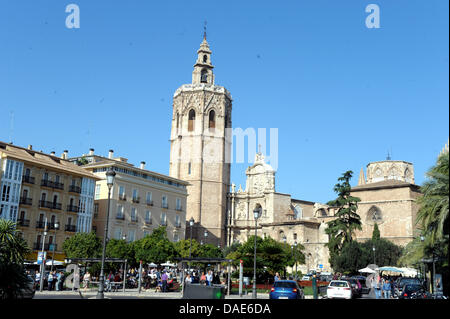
[
  {"x": 72, "y": 208},
  {"x": 26, "y": 201},
  {"x": 134, "y": 219},
  {"x": 40, "y": 225},
  {"x": 149, "y": 203},
  {"x": 75, "y": 189},
  {"x": 23, "y": 222},
  {"x": 122, "y": 197},
  {"x": 71, "y": 228},
  {"x": 163, "y": 223},
  {"x": 148, "y": 221},
  {"x": 52, "y": 226},
  {"x": 50, "y": 205},
  {"x": 58, "y": 185},
  {"x": 28, "y": 179},
  {"x": 164, "y": 205},
  {"x": 178, "y": 225},
  {"x": 120, "y": 217},
  {"x": 179, "y": 208},
  {"x": 47, "y": 183},
  {"x": 38, "y": 246},
  {"x": 136, "y": 200}
]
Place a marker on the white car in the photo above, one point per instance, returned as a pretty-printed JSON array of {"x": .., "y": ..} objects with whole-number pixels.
[{"x": 339, "y": 289}]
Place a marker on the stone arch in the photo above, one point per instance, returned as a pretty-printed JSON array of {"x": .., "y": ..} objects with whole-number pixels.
[
  {"x": 374, "y": 215},
  {"x": 408, "y": 175},
  {"x": 393, "y": 173}
]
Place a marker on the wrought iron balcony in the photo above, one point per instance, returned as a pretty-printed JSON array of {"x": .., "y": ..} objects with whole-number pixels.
[
  {"x": 23, "y": 222},
  {"x": 40, "y": 225},
  {"x": 148, "y": 222},
  {"x": 149, "y": 203},
  {"x": 47, "y": 183},
  {"x": 75, "y": 189},
  {"x": 51, "y": 205},
  {"x": 134, "y": 219},
  {"x": 165, "y": 205},
  {"x": 120, "y": 217},
  {"x": 58, "y": 185},
  {"x": 71, "y": 228},
  {"x": 122, "y": 197},
  {"x": 26, "y": 201},
  {"x": 179, "y": 208},
  {"x": 72, "y": 208},
  {"x": 28, "y": 179},
  {"x": 38, "y": 246},
  {"x": 136, "y": 200}
]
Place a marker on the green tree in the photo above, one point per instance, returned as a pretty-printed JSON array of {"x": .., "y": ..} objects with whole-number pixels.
[
  {"x": 386, "y": 252},
  {"x": 155, "y": 248},
  {"x": 210, "y": 251},
  {"x": 341, "y": 229},
  {"x": 375, "y": 233},
  {"x": 271, "y": 256},
  {"x": 182, "y": 248},
  {"x": 83, "y": 245},
  {"x": 13, "y": 250},
  {"x": 353, "y": 256}
]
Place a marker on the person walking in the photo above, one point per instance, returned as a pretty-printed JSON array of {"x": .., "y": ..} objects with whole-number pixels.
[
  {"x": 209, "y": 278},
  {"x": 58, "y": 281},
  {"x": 387, "y": 290},
  {"x": 37, "y": 278},
  {"x": 86, "y": 280},
  {"x": 277, "y": 277},
  {"x": 164, "y": 278},
  {"x": 50, "y": 281},
  {"x": 376, "y": 285}
]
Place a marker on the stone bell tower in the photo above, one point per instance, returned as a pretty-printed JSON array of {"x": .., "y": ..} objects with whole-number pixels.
[{"x": 199, "y": 150}]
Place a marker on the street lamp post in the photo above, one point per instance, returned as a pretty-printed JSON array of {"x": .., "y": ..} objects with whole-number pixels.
[
  {"x": 56, "y": 226},
  {"x": 110, "y": 174},
  {"x": 205, "y": 234},
  {"x": 373, "y": 248},
  {"x": 295, "y": 258},
  {"x": 256, "y": 214},
  {"x": 284, "y": 241},
  {"x": 41, "y": 283},
  {"x": 191, "y": 223}
]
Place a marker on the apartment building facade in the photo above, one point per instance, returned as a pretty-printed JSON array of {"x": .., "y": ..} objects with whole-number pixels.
[
  {"x": 39, "y": 190},
  {"x": 141, "y": 200}
]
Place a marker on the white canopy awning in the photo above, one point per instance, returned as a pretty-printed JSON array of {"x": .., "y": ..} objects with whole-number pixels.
[{"x": 367, "y": 270}]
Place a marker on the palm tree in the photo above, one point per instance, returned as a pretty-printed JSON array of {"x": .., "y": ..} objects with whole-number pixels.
[
  {"x": 433, "y": 211},
  {"x": 13, "y": 250}
]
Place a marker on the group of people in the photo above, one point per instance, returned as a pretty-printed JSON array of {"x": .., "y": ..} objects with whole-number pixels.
[
  {"x": 54, "y": 279},
  {"x": 382, "y": 286},
  {"x": 208, "y": 279}
]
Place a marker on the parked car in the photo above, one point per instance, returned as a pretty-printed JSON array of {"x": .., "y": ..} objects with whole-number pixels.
[
  {"x": 416, "y": 291},
  {"x": 356, "y": 287},
  {"x": 326, "y": 278},
  {"x": 286, "y": 289},
  {"x": 363, "y": 281},
  {"x": 402, "y": 281},
  {"x": 307, "y": 277},
  {"x": 339, "y": 289}
]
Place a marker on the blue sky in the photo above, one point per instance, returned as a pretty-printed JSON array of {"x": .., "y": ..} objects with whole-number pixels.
[{"x": 340, "y": 94}]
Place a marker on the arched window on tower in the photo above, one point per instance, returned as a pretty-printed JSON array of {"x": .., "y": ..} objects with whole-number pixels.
[
  {"x": 212, "y": 119},
  {"x": 204, "y": 77},
  {"x": 205, "y": 58},
  {"x": 191, "y": 120},
  {"x": 178, "y": 120}
]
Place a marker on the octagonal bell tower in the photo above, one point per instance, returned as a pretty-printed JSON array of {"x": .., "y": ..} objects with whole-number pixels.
[{"x": 199, "y": 149}]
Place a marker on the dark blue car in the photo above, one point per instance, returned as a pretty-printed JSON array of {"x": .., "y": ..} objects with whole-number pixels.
[{"x": 286, "y": 289}]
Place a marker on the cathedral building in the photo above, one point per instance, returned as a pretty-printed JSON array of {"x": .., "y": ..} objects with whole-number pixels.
[
  {"x": 199, "y": 149},
  {"x": 199, "y": 155},
  {"x": 388, "y": 198}
]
